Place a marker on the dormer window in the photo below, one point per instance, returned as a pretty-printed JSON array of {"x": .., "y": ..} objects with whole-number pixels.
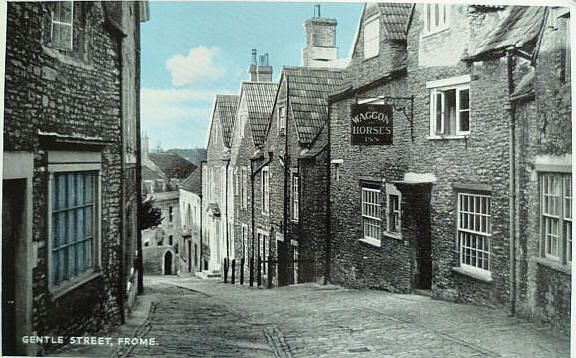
[
  {"x": 435, "y": 18},
  {"x": 371, "y": 37},
  {"x": 62, "y": 25}
]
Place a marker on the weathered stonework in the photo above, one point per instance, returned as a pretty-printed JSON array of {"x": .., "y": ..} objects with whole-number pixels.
[{"x": 72, "y": 100}]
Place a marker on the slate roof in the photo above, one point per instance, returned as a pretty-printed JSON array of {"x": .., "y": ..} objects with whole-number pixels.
[
  {"x": 395, "y": 19},
  {"x": 308, "y": 91},
  {"x": 193, "y": 183},
  {"x": 173, "y": 165},
  {"x": 260, "y": 98},
  {"x": 149, "y": 174},
  {"x": 226, "y": 106},
  {"x": 519, "y": 29}
]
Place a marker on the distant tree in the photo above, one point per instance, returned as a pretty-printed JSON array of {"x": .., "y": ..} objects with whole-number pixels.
[{"x": 150, "y": 215}]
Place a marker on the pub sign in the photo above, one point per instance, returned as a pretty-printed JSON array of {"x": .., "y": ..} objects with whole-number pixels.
[{"x": 371, "y": 124}]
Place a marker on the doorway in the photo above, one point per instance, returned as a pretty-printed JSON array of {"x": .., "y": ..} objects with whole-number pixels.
[
  {"x": 168, "y": 263},
  {"x": 13, "y": 237}
]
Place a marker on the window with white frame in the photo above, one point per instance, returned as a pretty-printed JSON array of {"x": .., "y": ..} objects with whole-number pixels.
[
  {"x": 281, "y": 120},
  {"x": 262, "y": 250},
  {"x": 435, "y": 17},
  {"x": 371, "y": 37},
  {"x": 450, "y": 107},
  {"x": 295, "y": 197},
  {"x": 74, "y": 226},
  {"x": 371, "y": 213},
  {"x": 474, "y": 230},
  {"x": 265, "y": 190},
  {"x": 556, "y": 216},
  {"x": 393, "y": 211},
  {"x": 62, "y": 25},
  {"x": 244, "y": 187}
]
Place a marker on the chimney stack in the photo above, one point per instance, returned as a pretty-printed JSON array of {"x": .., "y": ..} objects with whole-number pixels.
[
  {"x": 320, "y": 40},
  {"x": 260, "y": 70}
]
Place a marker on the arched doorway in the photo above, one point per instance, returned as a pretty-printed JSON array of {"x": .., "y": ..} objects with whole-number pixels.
[{"x": 168, "y": 263}]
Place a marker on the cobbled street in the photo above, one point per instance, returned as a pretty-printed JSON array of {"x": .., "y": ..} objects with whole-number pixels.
[{"x": 207, "y": 318}]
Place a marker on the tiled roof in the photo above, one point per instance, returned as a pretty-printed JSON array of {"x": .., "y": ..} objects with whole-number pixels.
[
  {"x": 173, "y": 165},
  {"x": 149, "y": 174},
  {"x": 308, "y": 92},
  {"x": 193, "y": 183},
  {"x": 395, "y": 18},
  {"x": 519, "y": 29},
  {"x": 165, "y": 195},
  {"x": 260, "y": 100},
  {"x": 226, "y": 106}
]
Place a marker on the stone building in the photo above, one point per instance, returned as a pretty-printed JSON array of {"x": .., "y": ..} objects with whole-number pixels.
[
  {"x": 216, "y": 211},
  {"x": 162, "y": 174},
  {"x": 444, "y": 170},
  {"x": 255, "y": 105},
  {"x": 191, "y": 254},
  {"x": 284, "y": 193},
  {"x": 70, "y": 176}
]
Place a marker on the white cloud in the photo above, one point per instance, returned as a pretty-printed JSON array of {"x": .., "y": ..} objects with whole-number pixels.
[
  {"x": 199, "y": 64},
  {"x": 165, "y": 106}
]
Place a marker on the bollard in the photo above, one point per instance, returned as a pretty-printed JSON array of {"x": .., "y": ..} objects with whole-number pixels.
[
  {"x": 225, "y": 270},
  {"x": 251, "y": 271},
  {"x": 259, "y": 272},
  {"x": 269, "y": 274},
  {"x": 233, "y": 271},
  {"x": 242, "y": 271}
]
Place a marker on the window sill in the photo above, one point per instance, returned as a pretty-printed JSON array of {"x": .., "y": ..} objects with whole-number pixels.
[
  {"x": 75, "y": 282},
  {"x": 370, "y": 241},
  {"x": 566, "y": 269},
  {"x": 393, "y": 235},
  {"x": 475, "y": 275},
  {"x": 434, "y": 32},
  {"x": 67, "y": 59},
  {"x": 371, "y": 57},
  {"x": 448, "y": 137}
]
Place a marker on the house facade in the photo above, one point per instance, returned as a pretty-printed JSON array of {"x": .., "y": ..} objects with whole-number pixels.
[
  {"x": 191, "y": 254},
  {"x": 293, "y": 144},
  {"x": 428, "y": 187},
  {"x": 216, "y": 211},
  {"x": 70, "y": 176},
  {"x": 255, "y": 104}
]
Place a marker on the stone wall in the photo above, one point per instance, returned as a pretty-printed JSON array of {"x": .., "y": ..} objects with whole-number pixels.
[{"x": 68, "y": 94}]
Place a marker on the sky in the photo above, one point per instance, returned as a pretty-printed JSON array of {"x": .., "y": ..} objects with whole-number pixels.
[{"x": 191, "y": 51}]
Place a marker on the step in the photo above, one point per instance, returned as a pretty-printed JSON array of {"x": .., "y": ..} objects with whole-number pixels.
[{"x": 208, "y": 274}]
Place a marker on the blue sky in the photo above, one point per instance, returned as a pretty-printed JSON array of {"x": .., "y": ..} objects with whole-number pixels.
[{"x": 192, "y": 51}]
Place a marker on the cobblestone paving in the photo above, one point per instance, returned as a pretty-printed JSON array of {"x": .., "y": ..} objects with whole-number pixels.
[
  {"x": 192, "y": 324},
  {"x": 329, "y": 321}
]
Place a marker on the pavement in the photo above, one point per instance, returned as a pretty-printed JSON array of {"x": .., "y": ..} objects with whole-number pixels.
[{"x": 190, "y": 317}]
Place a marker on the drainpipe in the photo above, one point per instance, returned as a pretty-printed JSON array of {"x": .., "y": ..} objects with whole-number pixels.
[
  {"x": 512, "y": 174},
  {"x": 201, "y": 253},
  {"x": 226, "y": 211},
  {"x": 122, "y": 255},
  {"x": 328, "y": 213}
]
